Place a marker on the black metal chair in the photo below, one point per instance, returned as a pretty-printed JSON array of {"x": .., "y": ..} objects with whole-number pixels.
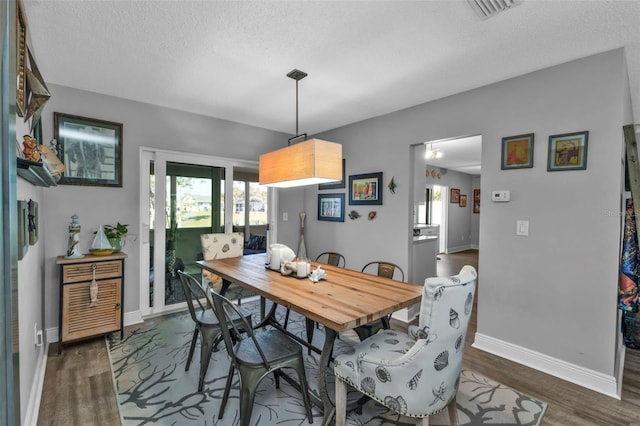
[
  {"x": 255, "y": 357},
  {"x": 382, "y": 269},
  {"x": 207, "y": 324},
  {"x": 332, "y": 258}
]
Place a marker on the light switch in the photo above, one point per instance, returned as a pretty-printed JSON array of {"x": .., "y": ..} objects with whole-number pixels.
[
  {"x": 522, "y": 228},
  {"x": 285, "y": 216}
]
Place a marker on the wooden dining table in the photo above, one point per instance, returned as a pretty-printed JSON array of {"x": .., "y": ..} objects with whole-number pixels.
[{"x": 345, "y": 299}]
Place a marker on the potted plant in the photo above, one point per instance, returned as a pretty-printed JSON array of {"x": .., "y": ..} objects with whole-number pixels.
[{"x": 115, "y": 234}]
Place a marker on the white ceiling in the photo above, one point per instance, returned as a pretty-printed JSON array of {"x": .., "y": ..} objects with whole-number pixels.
[{"x": 229, "y": 59}]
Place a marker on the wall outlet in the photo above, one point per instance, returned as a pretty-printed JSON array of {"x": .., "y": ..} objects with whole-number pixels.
[{"x": 285, "y": 216}]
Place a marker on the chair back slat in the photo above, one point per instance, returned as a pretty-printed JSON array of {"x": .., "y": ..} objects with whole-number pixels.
[
  {"x": 192, "y": 291},
  {"x": 228, "y": 314},
  {"x": 385, "y": 269},
  {"x": 332, "y": 258}
]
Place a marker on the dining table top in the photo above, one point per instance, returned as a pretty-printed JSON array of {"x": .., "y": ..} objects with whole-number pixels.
[{"x": 344, "y": 300}]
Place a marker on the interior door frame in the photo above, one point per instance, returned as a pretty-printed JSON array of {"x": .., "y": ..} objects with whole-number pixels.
[{"x": 160, "y": 158}]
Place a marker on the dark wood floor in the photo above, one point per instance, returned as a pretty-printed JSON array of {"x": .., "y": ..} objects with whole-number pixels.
[{"x": 78, "y": 389}]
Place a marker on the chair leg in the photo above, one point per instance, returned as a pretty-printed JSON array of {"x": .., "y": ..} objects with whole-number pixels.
[
  {"x": 227, "y": 388},
  {"x": 286, "y": 319},
  {"x": 423, "y": 421},
  {"x": 304, "y": 388},
  {"x": 453, "y": 412},
  {"x": 249, "y": 380},
  {"x": 309, "y": 326},
  {"x": 194, "y": 339},
  {"x": 341, "y": 402},
  {"x": 207, "y": 341}
]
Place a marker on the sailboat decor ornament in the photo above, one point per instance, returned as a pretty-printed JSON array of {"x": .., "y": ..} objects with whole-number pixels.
[{"x": 101, "y": 245}]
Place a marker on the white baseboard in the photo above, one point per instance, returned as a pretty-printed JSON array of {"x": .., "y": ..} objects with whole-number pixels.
[
  {"x": 581, "y": 376},
  {"x": 33, "y": 405},
  {"x": 129, "y": 318}
]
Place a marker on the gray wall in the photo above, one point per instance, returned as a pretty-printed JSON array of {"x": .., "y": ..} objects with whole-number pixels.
[
  {"x": 554, "y": 292},
  {"x": 143, "y": 125}
]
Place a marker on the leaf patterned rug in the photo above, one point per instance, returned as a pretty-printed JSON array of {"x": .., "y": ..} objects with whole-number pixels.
[{"x": 153, "y": 388}]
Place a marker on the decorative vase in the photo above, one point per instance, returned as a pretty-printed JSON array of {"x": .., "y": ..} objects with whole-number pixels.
[
  {"x": 116, "y": 243},
  {"x": 302, "y": 248}
]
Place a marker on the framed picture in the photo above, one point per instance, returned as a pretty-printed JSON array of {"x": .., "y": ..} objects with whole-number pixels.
[
  {"x": 365, "y": 189},
  {"x": 33, "y": 222},
  {"x": 463, "y": 201},
  {"x": 334, "y": 185},
  {"x": 21, "y": 60},
  {"x": 90, "y": 149},
  {"x": 476, "y": 201},
  {"x": 568, "y": 152},
  {"x": 23, "y": 229},
  {"x": 331, "y": 207},
  {"x": 454, "y": 196},
  {"x": 517, "y": 152}
]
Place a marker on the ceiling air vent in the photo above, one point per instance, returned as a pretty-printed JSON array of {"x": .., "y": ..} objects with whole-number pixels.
[{"x": 488, "y": 8}]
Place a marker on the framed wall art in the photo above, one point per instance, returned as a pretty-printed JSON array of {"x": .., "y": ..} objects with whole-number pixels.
[
  {"x": 568, "y": 151},
  {"x": 331, "y": 207},
  {"x": 454, "y": 196},
  {"x": 33, "y": 222},
  {"x": 517, "y": 152},
  {"x": 365, "y": 189},
  {"x": 90, "y": 149},
  {"x": 476, "y": 201},
  {"x": 463, "y": 201},
  {"x": 335, "y": 185},
  {"x": 21, "y": 60}
]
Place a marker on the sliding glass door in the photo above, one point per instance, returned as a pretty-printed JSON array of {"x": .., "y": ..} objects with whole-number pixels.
[{"x": 186, "y": 196}]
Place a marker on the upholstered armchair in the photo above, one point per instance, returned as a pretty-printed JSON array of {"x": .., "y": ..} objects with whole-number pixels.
[
  {"x": 222, "y": 246},
  {"x": 415, "y": 374}
]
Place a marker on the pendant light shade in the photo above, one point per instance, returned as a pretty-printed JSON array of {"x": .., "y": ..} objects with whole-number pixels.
[
  {"x": 306, "y": 163},
  {"x": 309, "y": 162}
]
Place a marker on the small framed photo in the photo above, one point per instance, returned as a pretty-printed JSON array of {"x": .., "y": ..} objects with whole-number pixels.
[
  {"x": 568, "y": 151},
  {"x": 463, "y": 201},
  {"x": 334, "y": 185},
  {"x": 331, "y": 207},
  {"x": 454, "y": 196},
  {"x": 476, "y": 201},
  {"x": 90, "y": 149},
  {"x": 517, "y": 152},
  {"x": 365, "y": 189}
]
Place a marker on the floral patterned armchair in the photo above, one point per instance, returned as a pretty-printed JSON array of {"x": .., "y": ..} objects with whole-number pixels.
[
  {"x": 415, "y": 374},
  {"x": 222, "y": 246}
]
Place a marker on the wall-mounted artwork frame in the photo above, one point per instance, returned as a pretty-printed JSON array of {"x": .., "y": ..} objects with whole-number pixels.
[
  {"x": 517, "y": 152},
  {"x": 90, "y": 149},
  {"x": 33, "y": 222},
  {"x": 331, "y": 207},
  {"x": 454, "y": 196},
  {"x": 23, "y": 229},
  {"x": 365, "y": 189},
  {"x": 335, "y": 185},
  {"x": 568, "y": 151},
  {"x": 21, "y": 60},
  {"x": 476, "y": 201},
  {"x": 463, "y": 201}
]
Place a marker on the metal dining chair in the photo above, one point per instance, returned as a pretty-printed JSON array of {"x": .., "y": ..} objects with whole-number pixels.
[
  {"x": 206, "y": 323},
  {"x": 330, "y": 258},
  {"x": 256, "y": 356},
  {"x": 381, "y": 269}
]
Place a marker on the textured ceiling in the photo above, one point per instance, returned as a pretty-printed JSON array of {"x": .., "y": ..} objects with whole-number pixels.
[{"x": 229, "y": 59}]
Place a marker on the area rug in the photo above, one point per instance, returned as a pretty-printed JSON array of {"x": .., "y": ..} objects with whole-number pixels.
[{"x": 153, "y": 388}]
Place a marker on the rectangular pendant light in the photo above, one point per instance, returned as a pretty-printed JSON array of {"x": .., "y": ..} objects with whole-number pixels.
[{"x": 306, "y": 163}]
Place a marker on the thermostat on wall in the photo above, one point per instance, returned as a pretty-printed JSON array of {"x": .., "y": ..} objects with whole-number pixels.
[{"x": 500, "y": 196}]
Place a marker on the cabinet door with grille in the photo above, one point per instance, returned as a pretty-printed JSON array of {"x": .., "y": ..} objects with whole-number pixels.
[{"x": 81, "y": 319}]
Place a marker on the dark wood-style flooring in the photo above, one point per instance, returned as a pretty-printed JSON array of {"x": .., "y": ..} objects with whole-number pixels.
[{"x": 78, "y": 389}]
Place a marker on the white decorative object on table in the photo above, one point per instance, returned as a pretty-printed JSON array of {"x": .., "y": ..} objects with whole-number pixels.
[
  {"x": 318, "y": 274},
  {"x": 73, "y": 249}
]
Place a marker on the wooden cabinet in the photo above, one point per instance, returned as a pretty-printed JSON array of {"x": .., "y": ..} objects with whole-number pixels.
[{"x": 81, "y": 317}]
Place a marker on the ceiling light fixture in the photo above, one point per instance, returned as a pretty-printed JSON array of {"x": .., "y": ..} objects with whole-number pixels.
[
  {"x": 431, "y": 153},
  {"x": 307, "y": 162}
]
